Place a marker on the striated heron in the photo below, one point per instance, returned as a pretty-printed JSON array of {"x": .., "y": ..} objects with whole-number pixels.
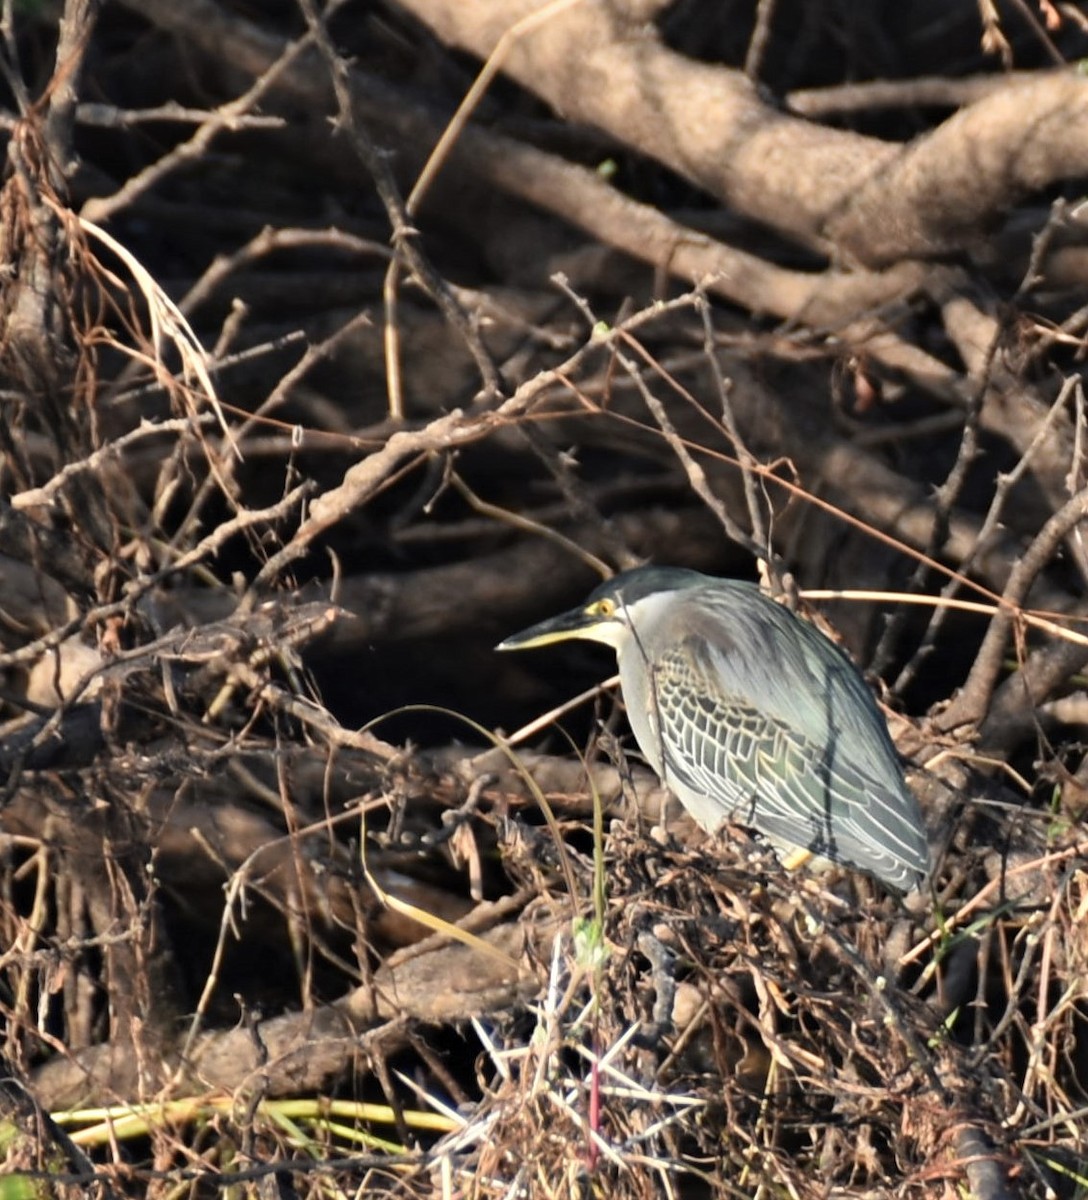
[{"x": 751, "y": 715}]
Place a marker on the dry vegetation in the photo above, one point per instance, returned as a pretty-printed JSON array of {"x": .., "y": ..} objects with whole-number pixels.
[{"x": 316, "y": 384}]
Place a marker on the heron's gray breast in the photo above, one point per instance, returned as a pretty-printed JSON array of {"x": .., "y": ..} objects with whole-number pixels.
[{"x": 640, "y": 699}]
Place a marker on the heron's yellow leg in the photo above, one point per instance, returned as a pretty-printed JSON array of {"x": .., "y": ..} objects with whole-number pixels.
[{"x": 796, "y": 858}]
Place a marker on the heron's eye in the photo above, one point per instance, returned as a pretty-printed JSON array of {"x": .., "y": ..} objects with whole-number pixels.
[{"x": 602, "y": 608}]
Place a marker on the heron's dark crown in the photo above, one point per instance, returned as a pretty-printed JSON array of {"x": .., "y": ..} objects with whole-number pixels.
[{"x": 631, "y": 586}]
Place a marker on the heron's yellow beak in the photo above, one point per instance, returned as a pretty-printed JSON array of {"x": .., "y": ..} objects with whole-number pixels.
[{"x": 577, "y": 623}]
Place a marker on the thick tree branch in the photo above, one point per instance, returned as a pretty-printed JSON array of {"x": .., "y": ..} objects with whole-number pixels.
[{"x": 847, "y": 195}]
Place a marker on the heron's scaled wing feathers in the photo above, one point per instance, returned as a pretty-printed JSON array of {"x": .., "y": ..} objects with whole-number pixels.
[{"x": 758, "y": 717}]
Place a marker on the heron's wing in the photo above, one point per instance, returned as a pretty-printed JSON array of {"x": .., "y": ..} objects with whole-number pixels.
[
  {"x": 791, "y": 779},
  {"x": 787, "y": 669}
]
